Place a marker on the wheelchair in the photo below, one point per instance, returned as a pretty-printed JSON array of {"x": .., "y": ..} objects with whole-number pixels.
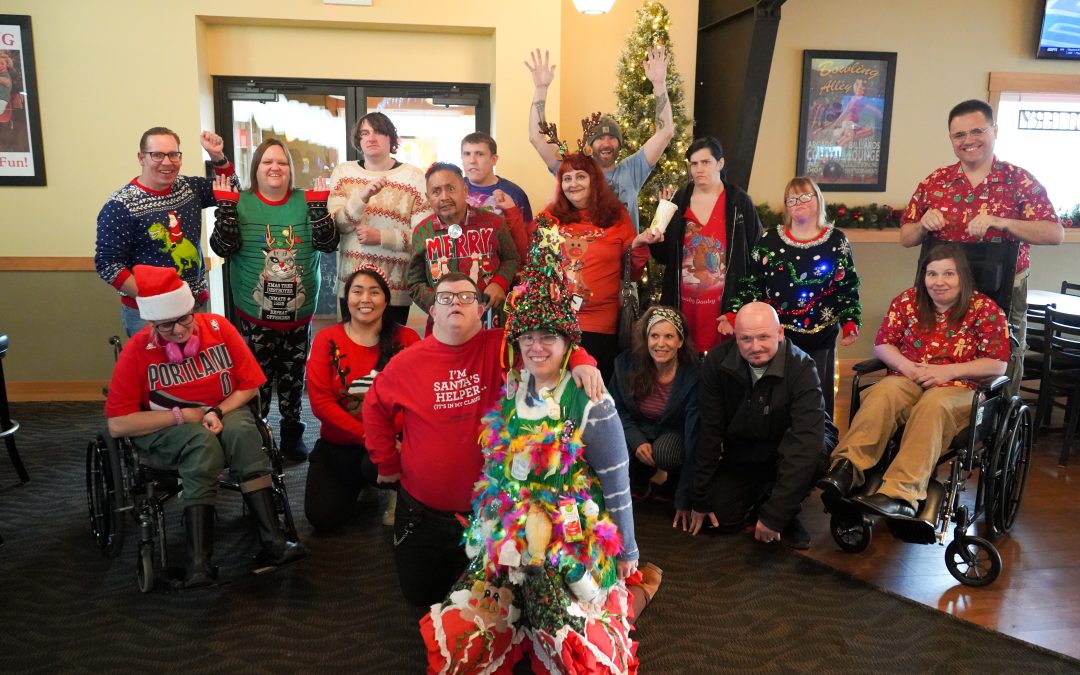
[
  {"x": 996, "y": 445},
  {"x": 122, "y": 489}
]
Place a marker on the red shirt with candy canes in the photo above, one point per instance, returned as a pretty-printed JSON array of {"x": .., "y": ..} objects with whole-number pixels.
[
  {"x": 983, "y": 334},
  {"x": 1007, "y": 192}
]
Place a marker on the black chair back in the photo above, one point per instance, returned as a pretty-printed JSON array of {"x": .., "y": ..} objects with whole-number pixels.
[
  {"x": 993, "y": 266},
  {"x": 1070, "y": 289},
  {"x": 1061, "y": 372}
]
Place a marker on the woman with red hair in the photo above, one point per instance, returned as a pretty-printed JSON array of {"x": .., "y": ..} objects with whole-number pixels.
[{"x": 597, "y": 232}]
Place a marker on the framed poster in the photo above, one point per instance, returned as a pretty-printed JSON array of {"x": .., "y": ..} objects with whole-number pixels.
[
  {"x": 22, "y": 161},
  {"x": 844, "y": 119}
]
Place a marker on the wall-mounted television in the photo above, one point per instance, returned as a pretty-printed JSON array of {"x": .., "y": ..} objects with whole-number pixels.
[{"x": 1059, "y": 37}]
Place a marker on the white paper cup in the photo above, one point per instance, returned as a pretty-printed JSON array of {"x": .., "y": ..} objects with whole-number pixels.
[{"x": 664, "y": 211}]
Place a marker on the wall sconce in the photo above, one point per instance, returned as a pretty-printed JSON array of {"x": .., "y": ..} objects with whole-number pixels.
[{"x": 594, "y": 6}]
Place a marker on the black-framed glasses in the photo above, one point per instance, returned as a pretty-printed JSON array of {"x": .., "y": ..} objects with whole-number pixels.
[
  {"x": 977, "y": 133},
  {"x": 796, "y": 199},
  {"x": 546, "y": 339},
  {"x": 160, "y": 156},
  {"x": 447, "y": 297},
  {"x": 168, "y": 326}
]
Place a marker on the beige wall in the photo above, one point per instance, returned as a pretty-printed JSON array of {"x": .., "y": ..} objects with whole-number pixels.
[
  {"x": 945, "y": 54},
  {"x": 94, "y": 65}
]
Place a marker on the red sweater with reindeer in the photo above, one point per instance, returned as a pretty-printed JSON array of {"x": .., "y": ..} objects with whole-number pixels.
[{"x": 140, "y": 226}]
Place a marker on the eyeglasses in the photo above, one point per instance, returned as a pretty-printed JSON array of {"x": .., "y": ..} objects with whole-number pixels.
[
  {"x": 547, "y": 339},
  {"x": 803, "y": 198},
  {"x": 961, "y": 136},
  {"x": 160, "y": 156},
  {"x": 168, "y": 326},
  {"x": 447, "y": 298}
]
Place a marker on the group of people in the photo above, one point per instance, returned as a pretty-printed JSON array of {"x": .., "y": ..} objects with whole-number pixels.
[{"x": 512, "y": 464}]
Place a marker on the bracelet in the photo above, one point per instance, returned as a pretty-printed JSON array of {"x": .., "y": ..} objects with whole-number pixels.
[
  {"x": 177, "y": 416},
  {"x": 224, "y": 161},
  {"x": 216, "y": 410}
]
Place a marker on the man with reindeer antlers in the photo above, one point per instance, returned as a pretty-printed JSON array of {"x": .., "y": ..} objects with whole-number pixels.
[{"x": 627, "y": 175}]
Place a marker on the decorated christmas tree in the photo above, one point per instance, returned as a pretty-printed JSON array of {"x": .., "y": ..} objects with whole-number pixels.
[
  {"x": 636, "y": 104},
  {"x": 635, "y": 114}
]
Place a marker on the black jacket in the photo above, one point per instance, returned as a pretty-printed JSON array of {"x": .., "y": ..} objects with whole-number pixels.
[
  {"x": 780, "y": 422},
  {"x": 743, "y": 233},
  {"x": 680, "y": 416}
]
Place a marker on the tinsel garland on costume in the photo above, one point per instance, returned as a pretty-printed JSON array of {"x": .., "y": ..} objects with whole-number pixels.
[{"x": 557, "y": 470}]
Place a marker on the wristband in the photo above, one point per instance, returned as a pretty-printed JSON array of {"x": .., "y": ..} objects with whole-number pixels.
[
  {"x": 216, "y": 410},
  {"x": 177, "y": 416},
  {"x": 224, "y": 161}
]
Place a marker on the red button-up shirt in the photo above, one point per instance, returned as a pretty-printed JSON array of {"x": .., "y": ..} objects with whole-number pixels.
[
  {"x": 1007, "y": 191},
  {"x": 983, "y": 334}
]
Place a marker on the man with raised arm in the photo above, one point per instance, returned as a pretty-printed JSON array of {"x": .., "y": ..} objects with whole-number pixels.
[{"x": 627, "y": 175}]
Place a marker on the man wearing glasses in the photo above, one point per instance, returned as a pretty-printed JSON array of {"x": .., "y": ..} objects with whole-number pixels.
[
  {"x": 439, "y": 388},
  {"x": 156, "y": 219},
  {"x": 981, "y": 198}
]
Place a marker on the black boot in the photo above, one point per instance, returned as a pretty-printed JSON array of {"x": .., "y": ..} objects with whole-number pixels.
[
  {"x": 276, "y": 549},
  {"x": 200, "y": 545},
  {"x": 292, "y": 441}
]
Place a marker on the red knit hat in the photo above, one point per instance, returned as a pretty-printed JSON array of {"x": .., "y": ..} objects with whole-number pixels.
[{"x": 163, "y": 295}]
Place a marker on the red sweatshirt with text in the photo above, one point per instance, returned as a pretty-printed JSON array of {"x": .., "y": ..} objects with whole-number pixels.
[{"x": 441, "y": 391}]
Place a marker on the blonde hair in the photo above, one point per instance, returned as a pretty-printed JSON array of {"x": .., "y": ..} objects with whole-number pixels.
[{"x": 803, "y": 184}]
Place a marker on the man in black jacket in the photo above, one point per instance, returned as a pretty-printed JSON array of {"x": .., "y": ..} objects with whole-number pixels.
[{"x": 764, "y": 436}]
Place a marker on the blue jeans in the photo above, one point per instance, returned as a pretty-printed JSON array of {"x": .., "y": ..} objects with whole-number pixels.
[{"x": 133, "y": 323}]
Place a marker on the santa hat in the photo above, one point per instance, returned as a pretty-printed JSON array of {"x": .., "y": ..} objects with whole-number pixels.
[
  {"x": 540, "y": 302},
  {"x": 163, "y": 295}
]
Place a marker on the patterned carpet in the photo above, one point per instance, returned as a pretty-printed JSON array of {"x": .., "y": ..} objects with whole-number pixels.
[{"x": 727, "y": 604}]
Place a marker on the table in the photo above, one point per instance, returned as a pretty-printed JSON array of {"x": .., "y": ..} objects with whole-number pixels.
[{"x": 1061, "y": 302}]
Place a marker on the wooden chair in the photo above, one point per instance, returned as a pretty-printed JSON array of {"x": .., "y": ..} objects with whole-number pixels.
[
  {"x": 1070, "y": 289},
  {"x": 1061, "y": 372}
]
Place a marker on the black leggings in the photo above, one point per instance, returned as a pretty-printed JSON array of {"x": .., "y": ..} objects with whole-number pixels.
[{"x": 336, "y": 475}]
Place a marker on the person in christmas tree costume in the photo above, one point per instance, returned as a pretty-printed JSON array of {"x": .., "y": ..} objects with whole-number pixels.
[
  {"x": 805, "y": 270},
  {"x": 551, "y": 537},
  {"x": 272, "y": 236}
]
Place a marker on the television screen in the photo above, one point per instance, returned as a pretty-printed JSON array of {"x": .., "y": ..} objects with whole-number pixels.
[{"x": 1060, "y": 35}]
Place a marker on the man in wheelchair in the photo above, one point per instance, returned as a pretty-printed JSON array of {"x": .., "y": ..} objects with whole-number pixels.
[
  {"x": 180, "y": 390},
  {"x": 937, "y": 340}
]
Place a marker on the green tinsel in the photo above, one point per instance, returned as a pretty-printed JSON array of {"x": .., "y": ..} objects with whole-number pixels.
[{"x": 843, "y": 216}]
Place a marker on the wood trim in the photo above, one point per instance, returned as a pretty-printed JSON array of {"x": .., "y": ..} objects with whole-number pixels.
[
  {"x": 892, "y": 236},
  {"x": 31, "y": 263},
  {"x": 74, "y": 390},
  {"x": 46, "y": 264},
  {"x": 1054, "y": 83}
]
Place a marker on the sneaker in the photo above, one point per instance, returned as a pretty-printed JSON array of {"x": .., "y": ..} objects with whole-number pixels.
[{"x": 794, "y": 535}]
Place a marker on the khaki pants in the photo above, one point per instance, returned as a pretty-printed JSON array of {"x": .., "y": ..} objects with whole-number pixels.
[{"x": 932, "y": 417}]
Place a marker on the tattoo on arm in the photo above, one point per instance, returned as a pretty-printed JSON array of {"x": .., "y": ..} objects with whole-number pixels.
[
  {"x": 539, "y": 105},
  {"x": 661, "y": 102}
]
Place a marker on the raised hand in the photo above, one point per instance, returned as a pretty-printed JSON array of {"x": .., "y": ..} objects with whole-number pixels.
[
  {"x": 222, "y": 183},
  {"x": 503, "y": 201},
  {"x": 320, "y": 184},
  {"x": 656, "y": 63},
  {"x": 542, "y": 72},
  {"x": 213, "y": 144}
]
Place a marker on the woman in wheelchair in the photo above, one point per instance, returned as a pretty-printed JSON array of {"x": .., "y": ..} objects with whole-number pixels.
[
  {"x": 937, "y": 339},
  {"x": 180, "y": 390}
]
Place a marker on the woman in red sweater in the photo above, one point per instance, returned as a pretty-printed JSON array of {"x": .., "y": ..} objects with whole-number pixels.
[
  {"x": 597, "y": 232},
  {"x": 343, "y": 362}
]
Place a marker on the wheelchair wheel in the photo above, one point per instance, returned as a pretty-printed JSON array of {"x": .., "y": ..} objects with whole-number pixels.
[
  {"x": 851, "y": 533},
  {"x": 975, "y": 563},
  {"x": 145, "y": 572},
  {"x": 103, "y": 496},
  {"x": 1016, "y": 459}
]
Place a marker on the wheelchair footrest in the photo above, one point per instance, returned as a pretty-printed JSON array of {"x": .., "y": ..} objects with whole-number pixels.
[{"x": 922, "y": 529}]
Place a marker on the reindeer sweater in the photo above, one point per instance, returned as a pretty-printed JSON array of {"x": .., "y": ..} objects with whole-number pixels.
[
  {"x": 273, "y": 251},
  {"x": 140, "y": 226}
]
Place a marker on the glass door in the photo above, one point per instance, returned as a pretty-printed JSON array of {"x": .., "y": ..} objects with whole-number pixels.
[{"x": 315, "y": 119}]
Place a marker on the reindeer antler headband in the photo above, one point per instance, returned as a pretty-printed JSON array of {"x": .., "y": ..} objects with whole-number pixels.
[{"x": 588, "y": 126}]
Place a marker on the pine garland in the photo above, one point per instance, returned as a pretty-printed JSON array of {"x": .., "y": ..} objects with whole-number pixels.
[{"x": 843, "y": 216}]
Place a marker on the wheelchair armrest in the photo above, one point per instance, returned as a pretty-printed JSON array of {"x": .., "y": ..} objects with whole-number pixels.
[
  {"x": 991, "y": 384},
  {"x": 869, "y": 366}
]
